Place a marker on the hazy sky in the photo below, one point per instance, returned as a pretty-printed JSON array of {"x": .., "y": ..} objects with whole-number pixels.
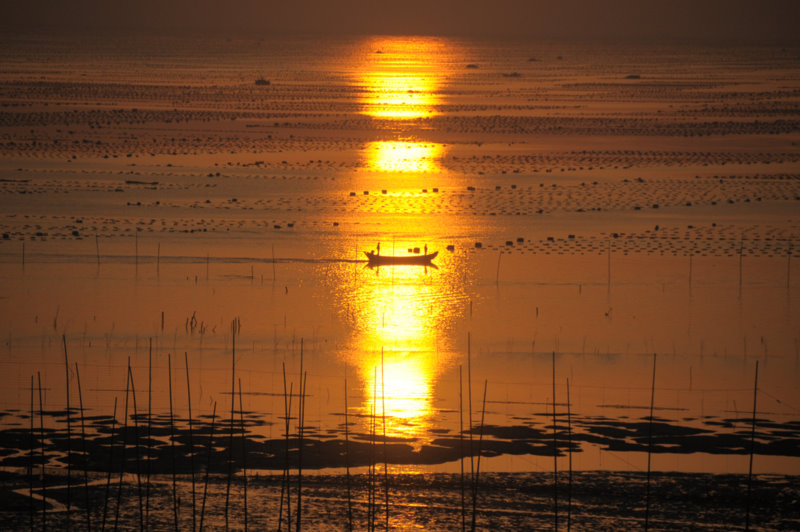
[{"x": 706, "y": 20}]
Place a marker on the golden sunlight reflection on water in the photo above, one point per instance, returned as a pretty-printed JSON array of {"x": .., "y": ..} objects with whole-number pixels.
[
  {"x": 404, "y": 156},
  {"x": 401, "y": 77},
  {"x": 399, "y": 315}
]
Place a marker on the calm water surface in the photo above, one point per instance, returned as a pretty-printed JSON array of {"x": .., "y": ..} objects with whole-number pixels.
[{"x": 596, "y": 212}]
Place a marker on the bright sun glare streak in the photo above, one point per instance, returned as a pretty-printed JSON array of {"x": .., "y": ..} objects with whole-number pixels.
[
  {"x": 399, "y": 96},
  {"x": 399, "y": 312},
  {"x": 402, "y": 78},
  {"x": 404, "y": 156},
  {"x": 392, "y": 315}
]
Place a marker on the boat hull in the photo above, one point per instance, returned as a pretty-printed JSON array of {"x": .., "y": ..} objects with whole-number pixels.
[{"x": 387, "y": 260}]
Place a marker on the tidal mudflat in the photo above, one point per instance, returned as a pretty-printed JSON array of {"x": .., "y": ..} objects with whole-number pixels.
[{"x": 184, "y": 222}]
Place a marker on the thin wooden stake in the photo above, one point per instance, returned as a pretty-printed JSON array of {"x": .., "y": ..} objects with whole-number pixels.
[
  {"x": 752, "y": 451},
  {"x": 346, "y": 457},
  {"x": 191, "y": 444},
  {"x": 30, "y": 462},
  {"x": 244, "y": 452},
  {"x": 136, "y": 445},
  {"x": 285, "y": 466},
  {"x": 83, "y": 450},
  {"x": 69, "y": 438},
  {"x": 97, "y": 248},
  {"x": 555, "y": 448},
  {"x": 461, "y": 441},
  {"x": 478, "y": 466},
  {"x": 385, "y": 454},
  {"x": 41, "y": 427},
  {"x": 209, "y": 454},
  {"x": 172, "y": 445},
  {"x": 569, "y": 451},
  {"x": 124, "y": 445},
  {"x": 110, "y": 462},
  {"x": 149, "y": 431},
  {"x": 374, "y": 459},
  {"x": 287, "y": 410},
  {"x": 300, "y": 413},
  {"x": 650, "y": 446},
  {"x": 469, "y": 403},
  {"x": 230, "y": 444}
]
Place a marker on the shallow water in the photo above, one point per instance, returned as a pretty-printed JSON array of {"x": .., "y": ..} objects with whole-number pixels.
[{"x": 152, "y": 196}]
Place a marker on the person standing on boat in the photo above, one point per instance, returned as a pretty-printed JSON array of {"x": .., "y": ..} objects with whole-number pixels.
[
  {"x": 379, "y": 248},
  {"x": 426, "y": 249}
]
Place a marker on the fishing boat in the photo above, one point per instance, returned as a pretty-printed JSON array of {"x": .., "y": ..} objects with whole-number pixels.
[{"x": 386, "y": 260}]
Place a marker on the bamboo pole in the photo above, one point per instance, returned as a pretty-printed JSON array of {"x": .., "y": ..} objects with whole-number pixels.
[
  {"x": 347, "y": 457},
  {"x": 478, "y": 466},
  {"x": 469, "y": 406},
  {"x": 69, "y": 438},
  {"x": 124, "y": 444},
  {"x": 287, "y": 410},
  {"x": 244, "y": 453},
  {"x": 300, "y": 413},
  {"x": 110, "y": 463},
  {"x": 230, "y": 444},
  {"x": 209, "y": 454},
  {"x": 83, "y": 450},
  {"x": 136, "y": 445},
  {"x": 752, "y": 451},
  {"x": 650, "y": 446},
  {"x": 41, "y": 427},
  {"x": 555, "y": 447},
  {"x": 372, "y": 461},
  {"x": 172, "y": 445},
  {"x": 191, "y": 444},
  {"x": 149, "y": 431},
  {"x": 461, "y": 441},
  {"x": 569, "y": 450},
  {"x": 385, "y": 454},
  {"x": 286, "y": 456},
  {"x": 30, "y": 460}
]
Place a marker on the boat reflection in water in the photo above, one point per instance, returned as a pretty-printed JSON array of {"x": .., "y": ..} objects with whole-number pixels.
[{"x": 400, "y": 313}]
